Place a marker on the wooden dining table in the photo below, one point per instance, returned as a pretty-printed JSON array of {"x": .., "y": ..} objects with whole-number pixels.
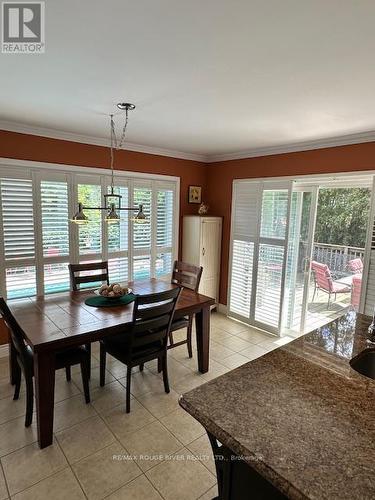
[{"x": 58, "y": 321}]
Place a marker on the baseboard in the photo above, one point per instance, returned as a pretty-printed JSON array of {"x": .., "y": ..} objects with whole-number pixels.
[{"x": 222, "y": 309}]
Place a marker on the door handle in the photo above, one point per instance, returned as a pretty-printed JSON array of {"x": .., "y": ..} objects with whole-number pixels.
[
  {"x": 203, "y": 251},
  {"x": 306, "y": 264}
]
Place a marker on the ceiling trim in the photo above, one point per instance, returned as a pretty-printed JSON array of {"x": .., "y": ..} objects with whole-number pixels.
[
  {"x": 97, "y": 141},
  {"x": 344, "y": 140}
]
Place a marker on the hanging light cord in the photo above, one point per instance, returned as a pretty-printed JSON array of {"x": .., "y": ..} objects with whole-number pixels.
[{"x": 115, "y": 144}]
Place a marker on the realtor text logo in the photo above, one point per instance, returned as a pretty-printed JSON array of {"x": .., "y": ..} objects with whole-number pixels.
[{"x": 23, "y": 28}]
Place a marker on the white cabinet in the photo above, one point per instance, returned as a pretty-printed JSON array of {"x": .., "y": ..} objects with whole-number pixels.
[{"x": 201, "y": 246}]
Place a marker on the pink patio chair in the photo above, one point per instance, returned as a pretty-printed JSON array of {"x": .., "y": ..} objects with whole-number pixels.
[
  {"x": 324, "y": 282},
  {"x": 356, "y": 291},
  {"x": 355, "y": 266}
]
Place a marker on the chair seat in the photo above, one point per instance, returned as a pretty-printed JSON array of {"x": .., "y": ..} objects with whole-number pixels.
[
  {"x": 340, "y": 288},
  {"x": 179, "y": 323},
  {"x": 67, "y": 357},
  {"x": 118, "y": 347}
]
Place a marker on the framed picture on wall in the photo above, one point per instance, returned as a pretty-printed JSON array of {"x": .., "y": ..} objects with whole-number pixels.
[{"x": 195, "y": 194}]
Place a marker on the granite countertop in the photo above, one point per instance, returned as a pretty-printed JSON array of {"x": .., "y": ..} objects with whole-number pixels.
[{"x": 300, "y": 415}]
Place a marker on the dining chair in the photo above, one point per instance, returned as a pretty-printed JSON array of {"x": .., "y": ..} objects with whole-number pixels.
[
  {"x": 323, "y": 281},
  {"x": 186, "y": 276},
  {"x": 25, "y": 361},
  {"x": 356, "y": 291},
  {"x": 81, "y": 273},
  {"x": 355, "y": 266},
  {"x": 147, "y": 338}
]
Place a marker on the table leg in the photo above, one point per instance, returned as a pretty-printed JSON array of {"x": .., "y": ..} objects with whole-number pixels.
[
  {"x": 44, "y": 373},
  {"x": 202, "y": 326},
  {"x": 12, "y": 362}
]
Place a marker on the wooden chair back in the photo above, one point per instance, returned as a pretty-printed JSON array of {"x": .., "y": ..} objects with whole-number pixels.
[
  {"x": 187, "y": 275},
  {"x": 16, "y": 333},
  {"x": 82, "y": 273},
  {"x": 152, "y": 319}
]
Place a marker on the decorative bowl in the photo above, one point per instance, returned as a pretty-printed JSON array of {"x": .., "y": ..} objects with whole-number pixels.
[{"x": 114, "y": 297}]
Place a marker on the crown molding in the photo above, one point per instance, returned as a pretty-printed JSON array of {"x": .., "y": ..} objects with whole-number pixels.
[
  {"x": 96, "y": 141},
  {"x": 344, "y": 140}
]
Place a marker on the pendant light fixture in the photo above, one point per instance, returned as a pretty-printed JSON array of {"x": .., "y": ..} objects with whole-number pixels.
[{"x": 112, "y": 201}]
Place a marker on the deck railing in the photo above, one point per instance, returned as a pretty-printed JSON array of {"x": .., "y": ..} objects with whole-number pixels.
[{"x": 336, "y": 257}]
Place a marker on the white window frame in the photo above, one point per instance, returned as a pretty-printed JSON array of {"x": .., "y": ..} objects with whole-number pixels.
[{"x": 74, "y": 175}]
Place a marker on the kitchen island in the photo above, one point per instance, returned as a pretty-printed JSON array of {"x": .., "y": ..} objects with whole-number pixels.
[{"x": 296, "y": 423}]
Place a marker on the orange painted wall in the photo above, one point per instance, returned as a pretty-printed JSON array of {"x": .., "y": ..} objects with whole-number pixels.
[
  {"x": 32, "y": 147},
  {"x": 221, "y": 175}
]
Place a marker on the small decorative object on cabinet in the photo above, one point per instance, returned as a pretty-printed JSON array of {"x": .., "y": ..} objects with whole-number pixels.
[
  {"x": 203, "y": 209},
  {"x": 195, "y": 194},
  {"x": 201, "y": 246}
]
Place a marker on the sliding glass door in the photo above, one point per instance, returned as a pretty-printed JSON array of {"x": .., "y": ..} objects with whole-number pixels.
[
  {"x": 300, "y": 248},
  {"x": 272, "y": 285}
]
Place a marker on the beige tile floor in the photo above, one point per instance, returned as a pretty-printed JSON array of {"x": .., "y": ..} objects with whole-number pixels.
[{"x": 157, "y": 451}]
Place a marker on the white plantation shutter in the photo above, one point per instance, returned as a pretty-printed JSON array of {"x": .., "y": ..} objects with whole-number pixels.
[
  {"x": 118, "y": 240},
  {"x": 241, "y": 277},
  {"x": 164, "y": 231},
  {"x": 18, "y": 237},
  {"x": 247, "y": 198},
  {"x": 271, "y": 256},
  {"x": 164, "y": 218},
  {"x": 55, "y": 215},
  {"x": 258, "y": 251},
  {"x": 142, "y": 232},
  {"x": 246, "y": 206},
  {"x": 269, "y": 281},
  {"x": 56, "y": 277},
  {"x": 20, "y": 281},
  {"x": 18, "y": 218},
  {"x": 55, "y": 234},
  {"x": 90, "y": 235},
  {"x": 274, "y": 213},
  {"x": 118, "y": 269}
]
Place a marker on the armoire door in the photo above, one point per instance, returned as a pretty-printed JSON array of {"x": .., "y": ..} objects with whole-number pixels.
[{"x": 210, "y": 256}]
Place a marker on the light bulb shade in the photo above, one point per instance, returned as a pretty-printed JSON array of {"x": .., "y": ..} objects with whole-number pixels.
[
  {"x": 79, "y": 217},
  {"x": 112, "y": 217},
  {"x": 140, "y": 217}
]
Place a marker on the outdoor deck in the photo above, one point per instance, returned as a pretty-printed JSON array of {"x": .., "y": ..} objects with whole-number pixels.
[{"x": 317, "y": 312}]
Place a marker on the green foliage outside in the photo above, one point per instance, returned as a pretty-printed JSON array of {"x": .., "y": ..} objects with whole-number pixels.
[{"x": 342, "y": 216}]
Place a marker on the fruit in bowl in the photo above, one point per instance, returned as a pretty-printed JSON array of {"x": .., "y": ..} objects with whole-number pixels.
[{"x": 113, "y": 291}]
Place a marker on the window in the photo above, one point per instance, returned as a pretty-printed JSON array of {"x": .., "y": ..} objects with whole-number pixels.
[{"x": 37, "y": 241}]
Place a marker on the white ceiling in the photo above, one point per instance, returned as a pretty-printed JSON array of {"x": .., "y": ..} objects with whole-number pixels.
[{"x": 208, "y": 77}]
